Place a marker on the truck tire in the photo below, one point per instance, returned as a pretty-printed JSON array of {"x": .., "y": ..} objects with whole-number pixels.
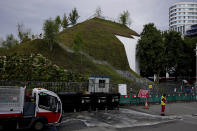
[
  {"x": 38, "y": 125},
  {"x": 1, "y": 127}
]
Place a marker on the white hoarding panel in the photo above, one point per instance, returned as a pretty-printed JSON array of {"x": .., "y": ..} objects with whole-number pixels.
[{"x": 122, "y": 88}]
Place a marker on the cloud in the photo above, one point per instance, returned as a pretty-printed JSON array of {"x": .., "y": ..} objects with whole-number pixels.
[{"x": 32, "y": 13}]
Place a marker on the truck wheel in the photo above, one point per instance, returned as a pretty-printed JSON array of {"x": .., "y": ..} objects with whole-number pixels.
[
  {"x": 1, "y": 127},
  {"x": 38, "y": 126}
]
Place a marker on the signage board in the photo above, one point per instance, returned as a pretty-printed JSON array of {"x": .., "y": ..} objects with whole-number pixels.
[{"x": 122, "y": 89}]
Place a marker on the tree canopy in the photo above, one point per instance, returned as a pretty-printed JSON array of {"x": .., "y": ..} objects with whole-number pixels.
[
  {"x": 9, "y": 42},
  {"x": 23, "y": 34},
  {"x": 125, "y": 18},
  {"x": 65, "y": 22},
  {"x": 74, "y": 16},
  {"x": 98, "y": 12},
  {"x": 58, "y": 22},
  {"x": 165, "y": 52},
  {"x": 51, "y": 30},
  {"x": 189, "y": 66},
  {"x": 150, "y": 50}
]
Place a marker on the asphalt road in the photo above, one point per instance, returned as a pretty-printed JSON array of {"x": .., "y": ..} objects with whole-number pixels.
[
  {"x": 187, "y": 123},
  {"x": 179, "y": 116}
]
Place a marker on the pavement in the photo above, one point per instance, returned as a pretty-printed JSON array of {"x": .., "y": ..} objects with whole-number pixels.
[
  {"x": 179, "y": 116},
  {"x": 179, "y": 108},
  {"x": 186, "y": 112},
  {"x": 111, "y": 119},
  {"x": 130, "y": 117}
]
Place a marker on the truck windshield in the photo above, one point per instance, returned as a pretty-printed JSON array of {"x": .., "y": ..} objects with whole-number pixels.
[{"x": 47, "y": 102}]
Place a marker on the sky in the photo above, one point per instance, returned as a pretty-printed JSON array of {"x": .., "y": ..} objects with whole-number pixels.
[{"x": 33, "y": 13}]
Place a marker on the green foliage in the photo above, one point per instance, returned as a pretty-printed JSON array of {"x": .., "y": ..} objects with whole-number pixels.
[
  {"x": 77, "y": 42},
  {"x": 73, "y": 16},
  {"x": 98, "y": 12},
  {"x": 150, "y": 50},
  {"x": 99, "y": 40},
  {"x": 174, "y": 50},
  {"x": 189, "y": 64},
  {"x": 65, "y": 22},
  {"x": 179, "y": 53},
  {"x": 1, "y": 41},
  {"x": 2, "y": 50},
  {"x": 23, "y": 34},
  {"x": 33, "y": 68},
  {"x": 58, "y": 22},
  {"x": 124, "y": 18},
  {"x": 51, "y": 30},
  {"x": 9, "y": 42},
  {"x": 166, "y": 52}
]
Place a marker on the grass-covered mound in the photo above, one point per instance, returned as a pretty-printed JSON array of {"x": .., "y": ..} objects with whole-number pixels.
[{"x": 99, "y": 42}]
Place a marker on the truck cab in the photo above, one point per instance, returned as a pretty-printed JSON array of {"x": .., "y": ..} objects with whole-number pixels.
[
  {"x": 43, "y": 108},
  {"x": 48, "y": 105}
]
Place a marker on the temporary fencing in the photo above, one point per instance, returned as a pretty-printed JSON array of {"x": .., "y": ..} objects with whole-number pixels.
[
  {"x": 173, "y": 94},
  {"x": 133, "y": 99}
]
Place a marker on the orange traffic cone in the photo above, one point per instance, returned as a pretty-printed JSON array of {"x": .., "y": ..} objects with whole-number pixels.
[{"x": 146, "y": 105}]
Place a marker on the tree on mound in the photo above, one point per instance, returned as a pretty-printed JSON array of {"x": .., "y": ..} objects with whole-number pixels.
[
  {"x": 98, "y": 12},
  {"x": 9, "y": 42},
  {"x": 65, "y": 22},
  {"x": 74, "y": 16},
  {"x": 125, "y": 18},
  {"x": 51, "y": 29}
]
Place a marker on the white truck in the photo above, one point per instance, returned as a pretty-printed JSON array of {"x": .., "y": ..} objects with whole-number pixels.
[{"x": 44, "y": 107}]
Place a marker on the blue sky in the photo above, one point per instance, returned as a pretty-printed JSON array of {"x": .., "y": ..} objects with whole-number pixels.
[{"x": 33, "y": 13}]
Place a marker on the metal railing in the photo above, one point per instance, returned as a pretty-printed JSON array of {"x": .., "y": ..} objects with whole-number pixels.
[
  {"x": 62, "y": 86},
  {"x": 174, "y": 93}
]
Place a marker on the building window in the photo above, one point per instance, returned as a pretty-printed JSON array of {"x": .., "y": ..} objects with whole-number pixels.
[
  {"x": 183, "y": 29},
  {"x": 101, "y": 83}
]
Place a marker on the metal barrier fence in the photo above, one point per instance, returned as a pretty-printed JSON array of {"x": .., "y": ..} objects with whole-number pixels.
[
  {"x": 133, "y": 99},
  {"x": 173, "y": 94},
  {"x": 71, "y": 86},
  {"x": 62, "y": 86}
]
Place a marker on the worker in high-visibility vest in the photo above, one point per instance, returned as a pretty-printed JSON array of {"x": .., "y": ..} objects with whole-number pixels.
[{"x": 163, "y": 104}]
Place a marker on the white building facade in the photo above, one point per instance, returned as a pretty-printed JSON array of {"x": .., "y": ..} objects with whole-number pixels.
[{"x": 182, "y": 15}]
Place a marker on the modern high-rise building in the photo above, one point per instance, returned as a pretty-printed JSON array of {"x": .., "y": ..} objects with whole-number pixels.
[
  {"x": 192, "y": 31},
  {"x": 182, "y": 15}
]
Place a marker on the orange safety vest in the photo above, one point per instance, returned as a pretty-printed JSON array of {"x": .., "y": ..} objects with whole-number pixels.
[{"x": 162, "y": 102}]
